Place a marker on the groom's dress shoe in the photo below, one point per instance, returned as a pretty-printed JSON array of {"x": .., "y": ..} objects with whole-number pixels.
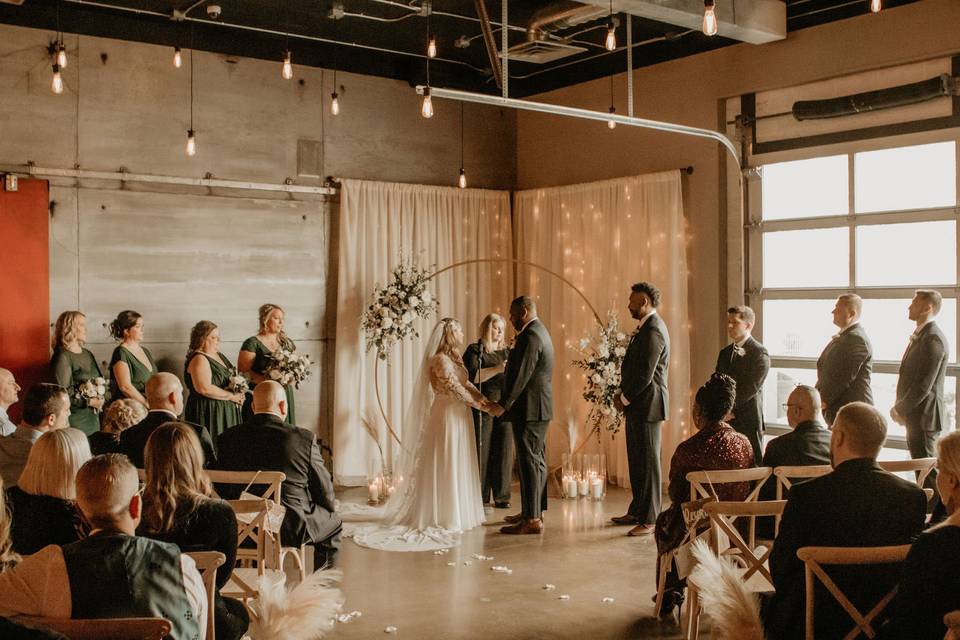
[
  {"x": 641, "y": 530},
  {"x": 627, "y": 519},
  {"x": 527, "y": 526},
  {"x": 514, "y": 519},
  {"x": 501, "y": 505}
]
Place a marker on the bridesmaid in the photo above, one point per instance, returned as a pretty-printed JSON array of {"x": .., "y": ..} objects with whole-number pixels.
[
  {"x": 256, "y": 349},
  {"x": 71, "y": 365},
  {"x": 132, "y": 364},
  {"x": 207, "y": 376}
]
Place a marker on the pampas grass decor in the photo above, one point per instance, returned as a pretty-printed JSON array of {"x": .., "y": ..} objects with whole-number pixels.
[
  {"x": 306, "y": 612},
  {"x": 734, "y": 611}
]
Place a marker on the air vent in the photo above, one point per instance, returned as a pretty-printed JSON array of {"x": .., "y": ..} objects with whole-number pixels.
[{"x": 542, "y": 51}]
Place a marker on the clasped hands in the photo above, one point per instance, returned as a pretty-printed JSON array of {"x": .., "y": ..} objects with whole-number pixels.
[{"x": 492, "y": 408}]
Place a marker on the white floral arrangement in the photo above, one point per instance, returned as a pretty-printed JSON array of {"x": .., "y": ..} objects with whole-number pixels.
[
  {"x": 390, "y": 316},
  {"x": 237, "y": 383},
  {"x": 92, "y": 389},
  {"x": 602, "y": 356},
  {"x": 287, "y": 367}
]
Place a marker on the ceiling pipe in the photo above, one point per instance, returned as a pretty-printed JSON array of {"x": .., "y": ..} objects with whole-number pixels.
[
  {"x": 488, "y": 41},
  {"x": 555, "y": 18}
]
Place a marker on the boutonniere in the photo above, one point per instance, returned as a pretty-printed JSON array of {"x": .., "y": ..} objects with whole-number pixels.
[{"x": 739, "y": 351}]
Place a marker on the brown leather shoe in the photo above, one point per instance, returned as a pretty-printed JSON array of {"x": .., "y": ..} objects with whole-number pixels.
[
  {"x": 641, "y": 530},
  {"x": 514, "y": 519},
  {"x": 627, "y": 519},
  {"x": 526, "y": 526}
]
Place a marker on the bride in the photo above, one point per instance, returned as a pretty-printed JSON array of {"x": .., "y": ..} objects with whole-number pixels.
[{"x": 441, "y": 497}]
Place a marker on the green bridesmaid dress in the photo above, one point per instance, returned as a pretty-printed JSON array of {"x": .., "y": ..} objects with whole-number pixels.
[
  {"x": 216, "y": 415},
  {"x": 69, "y": 369},
  {"x": 253, "y": 345},
  {"x": 139, "y": 374}
]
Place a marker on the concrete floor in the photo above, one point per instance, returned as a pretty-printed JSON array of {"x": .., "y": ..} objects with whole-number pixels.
[{"x": 580, "y": 552}]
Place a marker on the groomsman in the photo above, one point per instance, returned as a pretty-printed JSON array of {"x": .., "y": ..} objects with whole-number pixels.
[
  {"x": 747, "y": 362},
  {"x": 645, "y": 403},
  {"x": 920, "y": 406},
  {"x": 844, "y": 367}
]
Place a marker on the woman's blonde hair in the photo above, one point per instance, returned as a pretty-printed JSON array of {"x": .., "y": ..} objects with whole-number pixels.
[
  {"x": 265, "y": 310},
  {"x": 7, "y": 555},
  {"x": 175, "y": 479},
  {"x": 53, "y": 462},
  {"x": 65, "y": 330},
  {"x": 948, "y": 454},
  {"x": 449, "y": 344},
  {"x": 486, "y": 332},
  {"x": 122, "y": 414}
]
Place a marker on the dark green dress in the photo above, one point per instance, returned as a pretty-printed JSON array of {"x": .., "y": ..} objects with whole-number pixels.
[
  {"x": 253, "y": 345},
  {"x": 69, "y": 369},
  {"x": 139, "y": 374},
  {"x": 216, "y": 415}
]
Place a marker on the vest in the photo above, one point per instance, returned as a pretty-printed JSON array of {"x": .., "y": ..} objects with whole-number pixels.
[{"x": 119, "y": 576}]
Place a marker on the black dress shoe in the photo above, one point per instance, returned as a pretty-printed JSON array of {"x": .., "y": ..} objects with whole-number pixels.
[
  {"x": 624, "y": 520},
  {"x": 501, "y": 505}
]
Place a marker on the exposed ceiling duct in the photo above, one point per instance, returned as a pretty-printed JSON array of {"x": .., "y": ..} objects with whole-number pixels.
[
  {"x": 907, "y": 94},
  {"x": 541, "y": 45}
]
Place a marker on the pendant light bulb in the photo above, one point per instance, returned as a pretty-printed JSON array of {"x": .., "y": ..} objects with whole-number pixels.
[
  {"x": 610, "y": 43},
  {"x": 462, "y": 180},
  {"x": 57, "y": 83},
  {"x": 177, "y": 58},
  {"x": 876, "y": 5},
  {"x": 426, "y": 109},
  {"x": 432, "y": 47},
  {"x": 287, "y": 72},
  {"x": 710, "y": 18},
  {"x": 612, "y": 124},
  {"x": 62, "y": 56},
  {"x": 334, "y": 104},
  {"x": 191, "y": 143}
]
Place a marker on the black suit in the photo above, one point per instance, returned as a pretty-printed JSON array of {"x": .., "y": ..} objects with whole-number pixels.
[
  {"x": 748, "y": 371},
  {"x": 267, "y": 443},
  {"x": 843, "y": 371},
  {"x": 528, "y": 401},
  {"x": 858, "y": 505},
  {"x": 133, "y": 441},
  {"x": 643, "y": 382},
  {"x": 920, "y": 390}
]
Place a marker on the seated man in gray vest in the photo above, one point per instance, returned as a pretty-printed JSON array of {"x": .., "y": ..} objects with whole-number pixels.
[{"x": 113, "y": 573}]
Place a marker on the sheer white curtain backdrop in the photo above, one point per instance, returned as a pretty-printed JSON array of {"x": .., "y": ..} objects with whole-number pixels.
[
  {"x": 437, "y": 226},
  {"x": 603, "y": 237}
]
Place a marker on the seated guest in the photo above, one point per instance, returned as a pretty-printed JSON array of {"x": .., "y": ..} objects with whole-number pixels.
[
  {"x": 120, "y": 416},
  {"x": 857, "y": 505},
  {"x": 165, "y": 398},
  {"x": 45, "y": 407},
  {"x": 112, "y": 573},
  {"x": 266, "y": 443},
  {"x": 43, "y": 504},
  {"x": 71, "y": 365},
  {"x": 8, "y": 396},
  {"x": 715, "y": 446},
  {"x": 930, "y": 579},
  {"x": 178, "y": 508}
]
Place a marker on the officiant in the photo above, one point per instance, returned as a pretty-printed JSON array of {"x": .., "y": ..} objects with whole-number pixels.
[{"x": 485, "y": 361}]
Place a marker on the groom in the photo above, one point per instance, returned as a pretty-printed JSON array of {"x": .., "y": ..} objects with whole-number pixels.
[{"x": 528, "y": 405}]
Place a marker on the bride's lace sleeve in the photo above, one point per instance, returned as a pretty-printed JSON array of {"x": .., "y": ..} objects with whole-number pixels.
[{"x": 443, "y": 376}]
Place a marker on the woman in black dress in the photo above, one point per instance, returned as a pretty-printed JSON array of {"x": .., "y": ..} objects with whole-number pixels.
[
  {"x": 43, "y": 504},
  {"x": 179, "y": 506},
  {"x": 485, "y": 360}
]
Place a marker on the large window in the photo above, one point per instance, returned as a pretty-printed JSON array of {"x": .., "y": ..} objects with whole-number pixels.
[{"x": 880, "y": 223}]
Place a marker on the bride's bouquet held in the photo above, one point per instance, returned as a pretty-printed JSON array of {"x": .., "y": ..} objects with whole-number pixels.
[
  {"x": 389, "y": 318},
  {"x": 238, "y": 382},
  {"x": 92, "y": 389},
  {"x": 602, "y": 356},
  {"x": 287, "y": 367}
]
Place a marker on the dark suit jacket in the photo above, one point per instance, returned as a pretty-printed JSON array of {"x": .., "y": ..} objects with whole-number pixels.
[
  {"x": 920, "y": 385},
  {"x": 808, "y": 444},
  {"x": 133, "y": 441},
  {"x": 266, "y": 443},
  {"x": 858, "y": 505},
  {"x": 748, "y": 371},
  {"x": 527, "y": 387},
  {"x": 843, "y": 371},
  {"x": 643, "y": 374}
]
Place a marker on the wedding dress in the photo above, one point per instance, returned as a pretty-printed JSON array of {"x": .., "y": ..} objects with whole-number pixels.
[{"x": 441, "y": 496}]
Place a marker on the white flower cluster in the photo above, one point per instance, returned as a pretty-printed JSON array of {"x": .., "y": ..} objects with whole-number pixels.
[
  {"x": 238, "y": 382},
  {"x": 602, "y": 356},
  {"x": 390, "y": 316},
  {"x": 92, "y": 389},
  {"x": 287, "y": 367}
]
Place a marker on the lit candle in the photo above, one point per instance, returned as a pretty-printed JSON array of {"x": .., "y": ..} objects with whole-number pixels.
[
  {"x": 596, "y": 488},
  {"x": 571, "y": 487},
  {"x": 584, "y": 487},
  {"x": 374, "y": 491}
]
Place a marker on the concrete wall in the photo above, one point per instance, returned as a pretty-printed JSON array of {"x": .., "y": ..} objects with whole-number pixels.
[
  {"x": 179, "y": 254},
  {"x": 690, "y": 91}
]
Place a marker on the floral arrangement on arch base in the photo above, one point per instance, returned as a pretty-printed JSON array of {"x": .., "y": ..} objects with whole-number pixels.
[
  {"x": 602, "y": 356},
  {"x": 389, "y": 318}
]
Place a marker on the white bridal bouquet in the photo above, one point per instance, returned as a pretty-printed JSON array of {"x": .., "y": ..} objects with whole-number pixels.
[
  {"x": 92, "y": 389},
  {"x": 287, "y": 367},
  {"x": 238, "y": 382},
  {"x": 602, "y": 366},
  {"x": 390, "y": 316}
]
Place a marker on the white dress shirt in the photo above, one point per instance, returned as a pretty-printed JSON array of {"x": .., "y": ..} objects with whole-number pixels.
[{"x": 6, "y": 424}]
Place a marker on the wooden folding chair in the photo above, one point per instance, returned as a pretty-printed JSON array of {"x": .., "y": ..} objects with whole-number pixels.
[
  {"x": 922, "y": 467},
  {"x": 726, "y": 541},
  {"x": 696, "y": 519},
  {"x": 814, "y": 558},
  {"x": 103, "y": 629},
  {"x": 244, "y": 581},
  {"x": 703, "y": 482},
  {"x": 207, "y": 563},
  {"x": 787, "y": 476}
]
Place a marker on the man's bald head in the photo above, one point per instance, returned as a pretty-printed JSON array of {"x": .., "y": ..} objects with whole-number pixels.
[
  {"x": 803, "y": 405},
  {"x": 107, "y": 492},
  {"x": 270, "y": 397},
  {"x": 8, "y": 389},
  {"x": 858, "y": 431},
  {"x": 165, "y": 392}
]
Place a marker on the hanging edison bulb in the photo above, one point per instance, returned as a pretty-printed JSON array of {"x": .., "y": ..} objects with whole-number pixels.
[
  {"x": 612, "y": 124},
  {"x": 462, "y": 180},
  {"x": 432, "y": 47},
  {"x": 62, "y": 56},
  {"x": 287, "y": 71},
  {"x": 426, "y": 109},
  {"x": 876, "y": 5},
  {"x": 334, "y": 104},
  {"x": 177, "y": 58},
  {"x": 610, "y": 43},
  {"x": 191, "y": 143},
  {"x": 57, "y": 82},
  {"x": 709, "y": 18}
]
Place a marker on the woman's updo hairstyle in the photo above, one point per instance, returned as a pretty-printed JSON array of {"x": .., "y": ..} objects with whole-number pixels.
[
  {"x": 715, "y": 398},
  {"x": 125, "y": 320}
]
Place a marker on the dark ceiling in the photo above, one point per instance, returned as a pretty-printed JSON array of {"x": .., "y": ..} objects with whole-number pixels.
[{"x": 388, "y": 37}]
